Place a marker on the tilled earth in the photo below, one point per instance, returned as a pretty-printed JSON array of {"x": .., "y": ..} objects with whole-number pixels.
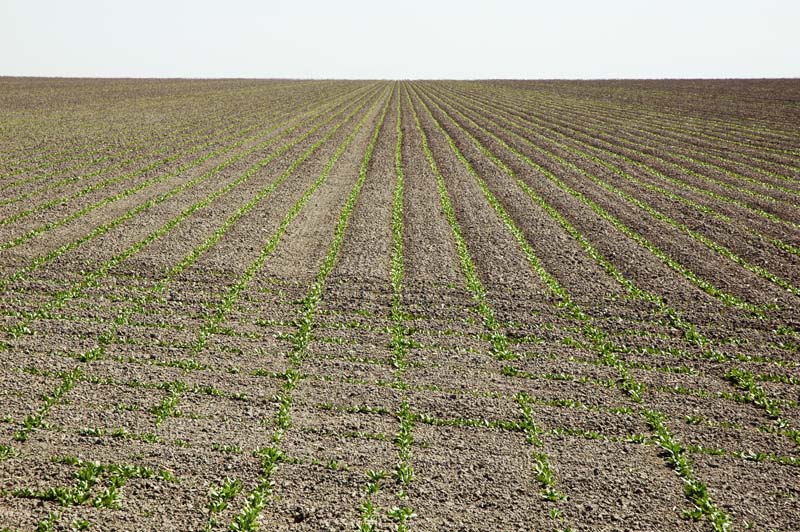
[{"x": 434, "y": 306}]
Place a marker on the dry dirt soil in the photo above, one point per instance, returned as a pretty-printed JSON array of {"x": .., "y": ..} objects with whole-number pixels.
[{"x": 415, "y": 306}]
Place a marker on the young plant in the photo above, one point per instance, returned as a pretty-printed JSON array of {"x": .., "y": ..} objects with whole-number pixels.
[
  {"x": 218, "y": 499},
  {"x": 694, "y": 490}
]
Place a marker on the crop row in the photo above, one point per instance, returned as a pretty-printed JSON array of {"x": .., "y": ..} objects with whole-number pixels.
[
  {"x": 691, "y": 331},
  {"x": 253, "y": 143},
  {"x": 215, "y": 135},
  {"x": 494, "y": 333},
  {"x": 400, "y": 342},
  {"x": 53, "y": 161},
  {"x": 690, "y": 275},
  {"x": 514, "y": 336},
  {"x": 598, "y": 341},
  {"x": 214, "y": 128},
  {"x": 169, "y": 405},
  {"x": 186, "y": 185},
  {"x": 657, "y": 129},
  {"x": 247, "y": 518},
  {"x": 741, "y": 134},
  {"x": 638, "y": 155},
  {"x": 591, "y": 150}
]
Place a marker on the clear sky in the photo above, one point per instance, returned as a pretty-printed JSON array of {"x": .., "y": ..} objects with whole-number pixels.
[{"x": 401, "y": 39}]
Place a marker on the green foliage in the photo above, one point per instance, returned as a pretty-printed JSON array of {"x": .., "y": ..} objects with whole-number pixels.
[
  {"x": 755, "y": 394},
  {"x": 49, "y": 523},
  {"x": 7, "y": 451},
  {"x": 69, "y": 380},
  {"x": 544, "y": 473},
  {"x": 401, "y": 515},
  {"x": 694, "y": 490},
  {"x": 219, "y": 497},
  {"x": 247, "y": 518},
  {"x": 89, "y": 477}
]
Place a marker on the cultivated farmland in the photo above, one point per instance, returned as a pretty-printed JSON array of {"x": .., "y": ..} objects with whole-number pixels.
[{"x": 414, "y": 306}]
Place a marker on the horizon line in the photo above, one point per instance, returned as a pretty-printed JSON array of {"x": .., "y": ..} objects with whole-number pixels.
[{"x": 313, "y": 78}]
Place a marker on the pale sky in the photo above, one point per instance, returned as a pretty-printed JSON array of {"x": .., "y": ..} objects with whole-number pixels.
[{"x": 403, "y": 39}]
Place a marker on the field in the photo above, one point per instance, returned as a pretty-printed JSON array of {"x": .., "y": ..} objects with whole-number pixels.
[{"x": 414, "y": 306}]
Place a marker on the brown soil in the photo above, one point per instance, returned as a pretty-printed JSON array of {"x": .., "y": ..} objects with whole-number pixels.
[{"x": 196, "y": 381}]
